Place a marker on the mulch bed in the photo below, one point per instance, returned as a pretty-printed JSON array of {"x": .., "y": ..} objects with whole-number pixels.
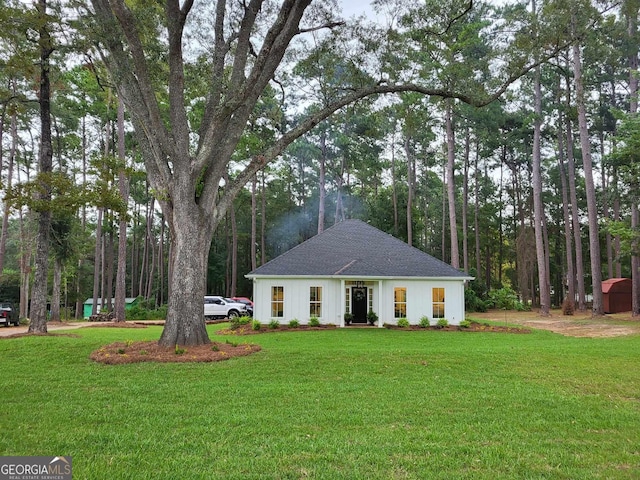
[
  {"x": 248, "y": 330},
  {"x": 474, "y": 327},
  {"x": 134, "y": 352},
  {"x": 118, "y": 325}
]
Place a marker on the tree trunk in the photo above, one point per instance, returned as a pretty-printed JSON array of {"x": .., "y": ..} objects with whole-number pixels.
[
  {"x": 451, "y": 188},
  {"x": 606, "y": 192},
  {"x": 577, "y": 236},
  {"x": 152, "y": 266},
  {"x": 465, "y": 201},
  {"x": 631, "y": 8},
  {"x": 135, "y": 252},
  {"x": 408, "y": 153},
  {"x": 538, "y": 208},
  {"x": 97, "y": 264},
  {"x": 123, "y": 188},
  {"x": 476, "y": 210},
  {"x": 254, "y": 220},
  {"x": 56, "y": 290},
  {"x": 38, "y": 314},
  {"x": 83, "y": 224},
  {"x": 321, "y": 182},
  {"x": 190, "y": 250},
  {"x": 592, "y": 210},
  {"x": 161, "y": 263},
  {"x": 108, "y": 264},
  {"x": 234, "y": 252},
  {"x": 635, "y": 260},
  {"x": 263, "y": 221},
  {"x": 9, "y": 183},
  {"x": 571, "y": 278},
  {"x": 394, "y": 191}
]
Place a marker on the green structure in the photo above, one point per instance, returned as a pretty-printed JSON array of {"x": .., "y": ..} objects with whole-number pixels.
[{"x": 88, "y": 305}]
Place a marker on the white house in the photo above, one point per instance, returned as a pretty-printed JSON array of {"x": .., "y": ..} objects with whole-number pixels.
[{"x": 353, "y": 268}]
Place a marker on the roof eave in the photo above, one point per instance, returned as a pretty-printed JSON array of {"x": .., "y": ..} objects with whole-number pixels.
[{"x": 361, "y": 277}]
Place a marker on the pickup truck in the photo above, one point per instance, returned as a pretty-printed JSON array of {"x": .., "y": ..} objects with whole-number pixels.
[
  {"x": 8, "y": 314},
  {"x": 221, "y": 307}
]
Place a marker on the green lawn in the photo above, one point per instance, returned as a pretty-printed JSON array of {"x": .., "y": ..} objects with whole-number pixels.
[{"x": 345, "y": 403}]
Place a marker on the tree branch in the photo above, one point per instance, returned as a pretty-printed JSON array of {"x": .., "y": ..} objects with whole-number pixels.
[
  {"x": 329, "y": 25},
  {"x": 259, "y": 161}
]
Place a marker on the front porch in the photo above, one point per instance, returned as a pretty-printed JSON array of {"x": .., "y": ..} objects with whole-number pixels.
[{"x": 361, "y": 302}]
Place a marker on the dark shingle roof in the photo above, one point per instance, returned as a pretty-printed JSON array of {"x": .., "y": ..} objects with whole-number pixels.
[{"x": 354, "y": 248}]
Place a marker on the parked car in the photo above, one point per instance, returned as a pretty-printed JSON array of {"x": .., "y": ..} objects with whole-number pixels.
[
  {"x": 219, "y": 307},
  {"x": 247, "y": 301},
  {"x": 8, "y": 314}
]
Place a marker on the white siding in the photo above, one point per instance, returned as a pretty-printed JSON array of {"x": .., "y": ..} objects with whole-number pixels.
[
  {"x": 419, "y": 300},
  {"x": 296, "y": 299}
]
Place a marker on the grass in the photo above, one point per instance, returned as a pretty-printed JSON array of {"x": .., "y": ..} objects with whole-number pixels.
[{"x": 361, "y": 403}]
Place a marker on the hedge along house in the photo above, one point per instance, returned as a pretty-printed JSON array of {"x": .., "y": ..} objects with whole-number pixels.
[{"x": 354, "y": 268}]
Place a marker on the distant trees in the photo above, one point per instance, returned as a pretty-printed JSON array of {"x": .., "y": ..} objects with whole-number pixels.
[{"x": 256, "y": 128}]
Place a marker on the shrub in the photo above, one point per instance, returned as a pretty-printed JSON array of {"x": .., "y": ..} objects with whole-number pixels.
[
  {"x": 504, "y": 298},
  {"x": 215, "y": 348},
  {"x": 472, "y": 302},
  {"x": 568, "y": 307},
  {"x": 237, "y": 322},
  {"x": 442, "y": 322},
  {"x": 424, "y": 322},
  {"x": 295, "y": 323},
  {"x": 465, "y": 324},
  {"x": 179, "y": 350},
  {"x": 314, "y": 322},
  {"x": 403, "y": 322},
  {"x": 145, "y": 311},
  {"x": 256, "y": 325},
  {"x": 273, "y": 324}
]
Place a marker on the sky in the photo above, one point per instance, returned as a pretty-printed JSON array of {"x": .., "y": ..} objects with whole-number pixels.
[{"x": 356, "y": 7}]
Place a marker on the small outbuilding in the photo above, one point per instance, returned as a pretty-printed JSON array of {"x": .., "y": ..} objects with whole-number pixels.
[
  {"x": 617, "y": 295},
  {"x": 353, "y": 271},
  {"x": 88, "y": 305}
]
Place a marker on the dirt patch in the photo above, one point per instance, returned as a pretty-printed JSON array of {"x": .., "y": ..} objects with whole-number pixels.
[
  {"x": 578, "y": 325},
  {"x": 135, "y": 352}
]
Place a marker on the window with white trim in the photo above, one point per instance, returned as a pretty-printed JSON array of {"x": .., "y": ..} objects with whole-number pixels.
[
  {"x": 277, "y": 302},
  {"x": 438, "y": 302},
  {"x": 400, "y": 302},
  {"x": 315, "y": 302},
  {"x": 347, "y": 299}
]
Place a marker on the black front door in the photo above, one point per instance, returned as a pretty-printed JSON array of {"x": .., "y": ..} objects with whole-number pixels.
[{"x": 359, "y": 304}]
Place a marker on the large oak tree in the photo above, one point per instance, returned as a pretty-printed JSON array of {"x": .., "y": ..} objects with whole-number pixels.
[{"x": 188, "y": 154}]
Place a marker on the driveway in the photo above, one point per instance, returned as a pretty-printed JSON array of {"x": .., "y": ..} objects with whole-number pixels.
[
  {"x": 578, "y": 325},
  {"x": 51, "y": 327}
]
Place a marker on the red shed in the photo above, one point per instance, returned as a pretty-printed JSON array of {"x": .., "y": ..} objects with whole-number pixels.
[{"x": 617, "y": 295}]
